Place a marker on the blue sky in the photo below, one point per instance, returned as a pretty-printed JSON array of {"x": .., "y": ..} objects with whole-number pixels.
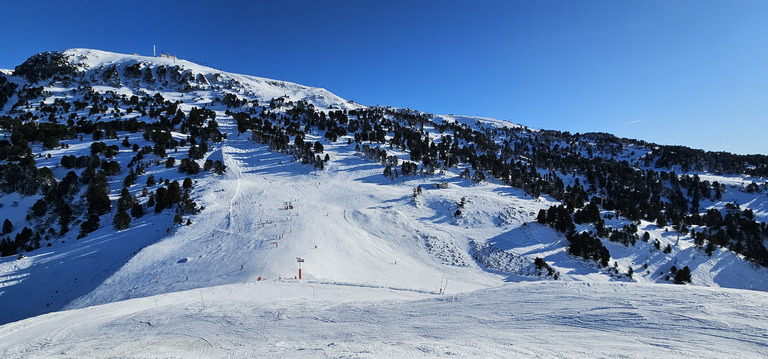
[{"x": 693, "y": 73}]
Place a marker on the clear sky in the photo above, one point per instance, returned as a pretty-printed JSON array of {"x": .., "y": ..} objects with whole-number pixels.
[{"x": 693, "y": 73}]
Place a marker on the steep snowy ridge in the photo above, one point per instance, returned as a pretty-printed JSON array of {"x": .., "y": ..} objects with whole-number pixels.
[
  {"x": 422, "y": 264},
  {"x": 189, "y": 76},
  {"x": 477, "y": 120}
]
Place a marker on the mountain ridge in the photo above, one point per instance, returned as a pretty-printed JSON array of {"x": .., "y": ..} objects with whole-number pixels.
[
  {"x": 375, "y": 196},
  {"x": 187, "y": 75}
]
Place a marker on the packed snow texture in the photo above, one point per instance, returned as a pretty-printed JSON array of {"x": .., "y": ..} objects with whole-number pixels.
[
  {"x": 384, "y": 273},
  {"x": 308, "y": 320}
]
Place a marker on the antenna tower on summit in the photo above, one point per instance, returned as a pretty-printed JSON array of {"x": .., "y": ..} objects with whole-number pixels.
[{"x": 154, "y": 52}]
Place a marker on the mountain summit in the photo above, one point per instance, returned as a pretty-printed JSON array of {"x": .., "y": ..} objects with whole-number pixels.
[{"x": 164, "y": 73}]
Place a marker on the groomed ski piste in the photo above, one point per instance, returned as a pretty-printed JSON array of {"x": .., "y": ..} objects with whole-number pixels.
[
  {"x": 385, "y": 271},
  {"x": 309, "y": 320}
]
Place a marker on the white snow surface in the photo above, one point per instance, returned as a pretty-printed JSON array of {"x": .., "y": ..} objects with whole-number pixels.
[
  {"x": 258, "y": 87},
  {"x": 311, "y": 320},
  {"x": 384, "y": 274},
  {"x": 473, "y": 121}
]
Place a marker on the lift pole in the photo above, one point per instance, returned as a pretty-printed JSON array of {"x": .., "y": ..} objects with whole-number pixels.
[{"x": 299, "y": 260}]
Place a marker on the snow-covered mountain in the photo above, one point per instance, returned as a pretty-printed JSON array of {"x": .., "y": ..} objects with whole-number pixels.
[
  {"x": 133, "y": 72},
  {"x": 176, "y": 179}
]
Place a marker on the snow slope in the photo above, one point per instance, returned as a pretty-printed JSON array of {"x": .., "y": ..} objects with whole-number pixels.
[
  {"x": 376, "y": 259},
  {"x": 204, "y": 78},
  {"x": 348, "y": 223},
  {"x": 305, "y": 320}
]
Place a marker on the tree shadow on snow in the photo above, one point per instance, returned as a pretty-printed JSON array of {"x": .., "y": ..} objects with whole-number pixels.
[{"x": 48, "y": 279}]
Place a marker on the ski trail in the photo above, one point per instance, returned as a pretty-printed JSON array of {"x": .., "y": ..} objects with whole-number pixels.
[
  {"x": 236, "y": 172},
  {"x": 232, "y": 204}
]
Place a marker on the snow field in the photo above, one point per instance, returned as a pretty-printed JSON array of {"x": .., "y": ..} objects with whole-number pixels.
[
  {"x": 376, "y": 260},
  {"x": 300, "y": 319},
  {"x": 337, "y": 224}
]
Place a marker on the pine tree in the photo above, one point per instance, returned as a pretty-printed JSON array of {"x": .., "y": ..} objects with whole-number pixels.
[
  {"x": 479, "y": 176},
  {"x": 125, "y": 201},
  {"x": 219, "y": 167},
  {"x": 129, "y": 179},
  {"x": 98, "y": 195},
  {"x": 189, "y": 166},
  {"x": 24, "y": 236},
  {"x": 122, "y": 220},
  {"x": 65, "y": 216},
  {"x": 173, "y": 194},
  {"x": 683, "y": 276},
  {"x": 89, "y": 226},
  {"x": 7, "y": 226},
  {"x": 542, "y": 216},
  {"x": 137, "y": 210},
  {"x": 7, "y": 247},
  {"x": 161, "y": 199}
]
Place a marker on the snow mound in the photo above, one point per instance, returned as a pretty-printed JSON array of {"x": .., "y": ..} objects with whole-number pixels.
[
  {"x": 447, "y": 251},
  {"x": 497, "y": 259}
]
